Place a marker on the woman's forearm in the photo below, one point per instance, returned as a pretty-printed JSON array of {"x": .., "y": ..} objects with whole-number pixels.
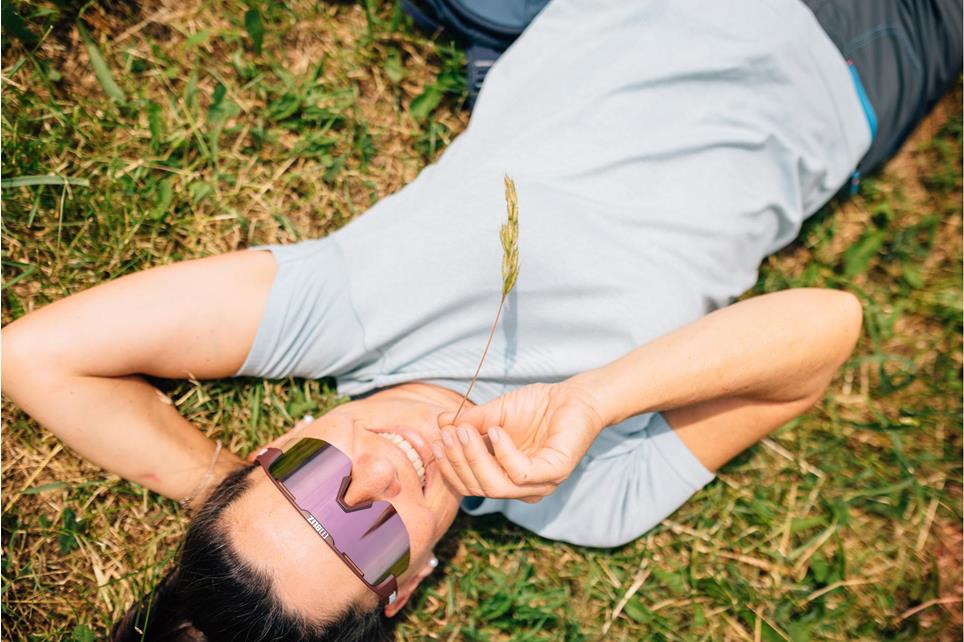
[
  {"x": 122, "y": 424},
  {"x": 74, "y": 365},
  {"x": 781, "y": 347}
]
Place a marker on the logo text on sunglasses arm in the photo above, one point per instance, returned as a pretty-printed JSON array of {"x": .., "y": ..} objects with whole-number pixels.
[{"x": 317, "y": 526}]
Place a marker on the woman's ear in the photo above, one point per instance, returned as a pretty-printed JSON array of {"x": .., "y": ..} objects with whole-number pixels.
[
  {"x": 279, "y": 442},
  {"x": 405, "y": 590}
]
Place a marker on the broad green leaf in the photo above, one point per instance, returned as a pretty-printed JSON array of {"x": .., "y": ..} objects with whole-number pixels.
[
  {"x": 72, "y": 527},
  {"x": 699, "y": 617},
  {"x": 393, "y": 67},
  {"x": 426, "y": 102},
  {"x": 364, "y": 145},
  {"x": 805, "y": 523},
  {"x": 334, "y": 169},
  {"x": 220, "y": 91},
  {"x": 200, "y": 38},
  {"x": 316, "y": 144},
  {"x": 101, "y": 70},
  {"x": 165, "y": 196},
  {"x": 858, "y": 256},
  {"x": 673, "y": 580},
  {"x": 255, "y": 28},
  {"x": 322, "y": 115},
  {"x": 302, "y": 407},
  {"x": 820, "y": 568},
  {"x": 219, "y": 113},
  {"x": 495, "y": 607},
  {"x": 911, "y": 275},
  {"x": 199, "y": 190},
  {"x": 15, "y": 25},
  {"x": 82, "y": 633},
  {"x": 155, "y": 122},
  {"x": 451, "y": 81},
  {"x": 283, "y": 107},
  {"x": 799, "y": 631}
]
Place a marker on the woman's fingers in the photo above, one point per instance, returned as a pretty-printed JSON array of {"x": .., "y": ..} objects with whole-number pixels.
[
  {"x": 478, "y": 472},
  {"x": 455, "y": 457},
  {"x": 448, "y": 471},
  {"x": 444, "y": 459},
  {"x": 492, "y": 478},
  {"x": 451, "y": 478}
]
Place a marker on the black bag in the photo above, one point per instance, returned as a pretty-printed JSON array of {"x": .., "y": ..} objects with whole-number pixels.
[{"x": 488, "y": 27}]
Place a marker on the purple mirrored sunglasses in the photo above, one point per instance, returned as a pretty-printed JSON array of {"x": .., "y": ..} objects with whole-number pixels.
[{"x": 369, "y": 538}]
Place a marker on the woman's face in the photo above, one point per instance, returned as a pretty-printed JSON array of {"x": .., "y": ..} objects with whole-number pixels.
[{"x": 268, "y": 533}]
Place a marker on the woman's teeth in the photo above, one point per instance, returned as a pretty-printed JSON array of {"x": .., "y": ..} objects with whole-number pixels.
[{"x": 410, "y": 452}]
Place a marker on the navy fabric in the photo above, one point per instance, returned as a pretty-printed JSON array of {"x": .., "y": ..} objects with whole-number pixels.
[
  {"x": 907, "y": 53},
  {"x": 480, "y": 60},
  {"x": 494, "y": 24},
  {"x": 488, "y": 27}
]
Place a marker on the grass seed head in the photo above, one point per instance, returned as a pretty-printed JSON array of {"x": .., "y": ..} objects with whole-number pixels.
[{"x": 509, "y": 234}]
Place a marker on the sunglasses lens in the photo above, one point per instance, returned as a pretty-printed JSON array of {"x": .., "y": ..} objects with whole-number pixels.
[{"x": 374, "y": 538}]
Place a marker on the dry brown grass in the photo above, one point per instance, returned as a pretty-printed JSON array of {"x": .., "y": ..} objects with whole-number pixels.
[{"x": 743, "y": 557}]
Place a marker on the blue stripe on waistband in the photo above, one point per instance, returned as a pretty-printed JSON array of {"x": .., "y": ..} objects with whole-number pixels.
[{"x": 864, "y": 100}]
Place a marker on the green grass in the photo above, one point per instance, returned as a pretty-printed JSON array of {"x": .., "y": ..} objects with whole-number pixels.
[{"x": 217, "y": 125}]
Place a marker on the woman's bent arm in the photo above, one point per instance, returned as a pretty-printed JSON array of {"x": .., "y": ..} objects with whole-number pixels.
[
  {"x": 722, "y": 383},
  {"x": 728, "y": 379},
  {"x": 74, "y": 365}
]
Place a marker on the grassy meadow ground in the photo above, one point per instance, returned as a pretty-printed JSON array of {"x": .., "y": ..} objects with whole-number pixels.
[{"x": 196, "y": 127}]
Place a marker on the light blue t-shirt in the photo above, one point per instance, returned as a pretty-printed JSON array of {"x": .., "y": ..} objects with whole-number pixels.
[{"x": 661, "y": 150}]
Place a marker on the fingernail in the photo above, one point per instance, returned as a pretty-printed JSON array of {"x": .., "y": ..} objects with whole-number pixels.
[
  {"x": 447, "y": 438},
  {"x": 494, "y": 435},
  {"x": 463, "y": 435},
  {"x": 307, "y": 419},
  {"x": 437, "y": 450}
]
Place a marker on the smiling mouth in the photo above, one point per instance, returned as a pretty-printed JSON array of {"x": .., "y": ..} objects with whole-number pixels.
[{"x": 409, "y": 451}]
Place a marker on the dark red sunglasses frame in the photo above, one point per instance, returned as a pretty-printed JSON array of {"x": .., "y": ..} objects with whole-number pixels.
[{"x": 387, "y": 591}]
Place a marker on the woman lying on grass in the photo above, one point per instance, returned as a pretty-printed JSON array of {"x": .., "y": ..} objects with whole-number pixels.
[{"x": 660, "y": 154}]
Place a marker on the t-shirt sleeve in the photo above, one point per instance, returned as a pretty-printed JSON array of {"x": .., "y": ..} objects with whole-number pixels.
[{"x": 309, "y": 327}]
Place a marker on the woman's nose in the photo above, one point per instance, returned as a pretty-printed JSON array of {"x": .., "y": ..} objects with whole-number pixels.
[{"x": 372, "y": 477}]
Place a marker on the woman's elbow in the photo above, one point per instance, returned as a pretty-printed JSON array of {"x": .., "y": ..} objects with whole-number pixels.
[
  {"x": 845, "y": 315},
  {"x": 24, "y": 353},
  {"x": 850, "y": 314},
  {"x": 840, "y": 317}
]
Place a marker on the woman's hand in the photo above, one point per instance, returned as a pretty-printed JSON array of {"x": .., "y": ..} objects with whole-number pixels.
[{"x": 538, "y": 433}]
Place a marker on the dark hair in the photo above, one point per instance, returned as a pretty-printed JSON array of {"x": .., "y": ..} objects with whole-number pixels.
[{"x": 211, "y": 594}]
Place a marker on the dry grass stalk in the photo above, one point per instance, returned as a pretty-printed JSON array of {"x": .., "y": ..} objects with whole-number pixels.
[{"x": 509, "y": 235}]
